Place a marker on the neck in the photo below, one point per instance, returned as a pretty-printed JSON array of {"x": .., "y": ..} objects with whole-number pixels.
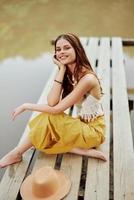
[{"x": 71, "y": 67}]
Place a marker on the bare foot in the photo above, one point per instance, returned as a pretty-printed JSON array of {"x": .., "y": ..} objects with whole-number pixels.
[
  {"x": 11, "y": 158},
  {"x": 93, "y": 153},
  {"x": 96, "y": 154}
]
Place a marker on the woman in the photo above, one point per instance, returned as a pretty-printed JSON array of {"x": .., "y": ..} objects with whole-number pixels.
[{"x": 53, "y": 131}]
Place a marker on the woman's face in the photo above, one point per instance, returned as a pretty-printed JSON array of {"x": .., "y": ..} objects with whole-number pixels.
[{"x": 65, "y": 53}]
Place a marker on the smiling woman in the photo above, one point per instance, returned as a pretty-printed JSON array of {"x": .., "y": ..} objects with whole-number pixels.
[
  {"x": 53, "y": 131},
  {"x": 64, "y": 52}
]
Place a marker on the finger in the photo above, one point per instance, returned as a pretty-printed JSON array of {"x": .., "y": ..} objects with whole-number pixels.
[
  {"x": 89, "y": 119},
  {"x": 95, "y": 117},
  {"x": 12, "y": 113},
  {"x": 13, "y": 117},
  {"x": 92, "y": 118},
  {"x": 86, "y": 118}
]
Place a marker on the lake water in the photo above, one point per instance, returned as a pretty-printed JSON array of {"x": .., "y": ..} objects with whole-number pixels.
[{"x": 26, "y": 29}]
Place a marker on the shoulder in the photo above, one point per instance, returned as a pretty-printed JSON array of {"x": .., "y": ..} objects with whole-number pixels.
[{"x": 89, "y": 79}]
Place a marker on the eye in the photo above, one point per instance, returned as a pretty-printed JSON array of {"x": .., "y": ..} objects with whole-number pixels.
[
  {"x": 57, "y": 50},
  {"x": 67, "y": 47}
]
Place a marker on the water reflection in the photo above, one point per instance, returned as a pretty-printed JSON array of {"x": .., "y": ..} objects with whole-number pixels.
[{"x": 26, "y": 27}]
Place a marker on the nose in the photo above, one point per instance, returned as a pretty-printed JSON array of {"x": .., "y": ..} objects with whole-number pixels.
[{"x": 62, "y": 51}]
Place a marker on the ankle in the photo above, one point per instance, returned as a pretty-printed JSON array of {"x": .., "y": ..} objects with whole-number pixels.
[{"x": 17, "y": 152}]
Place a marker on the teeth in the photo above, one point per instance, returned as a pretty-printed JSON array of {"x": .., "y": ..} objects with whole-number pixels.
[{"x": 63, "y": 57}]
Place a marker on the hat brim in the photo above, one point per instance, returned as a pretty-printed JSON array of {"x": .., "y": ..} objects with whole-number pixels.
[{"x": 64, "y": 187}]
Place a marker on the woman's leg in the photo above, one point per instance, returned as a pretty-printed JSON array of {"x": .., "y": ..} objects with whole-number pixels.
[
  {"x": 15, "y": 155},
  {"x": 90, "y": 153}
]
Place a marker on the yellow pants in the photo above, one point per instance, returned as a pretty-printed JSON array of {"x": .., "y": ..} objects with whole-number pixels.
[{"x": 59, "y": 133}]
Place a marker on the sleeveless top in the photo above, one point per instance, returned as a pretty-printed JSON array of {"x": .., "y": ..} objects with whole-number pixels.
[{"x": 90, "y": 107}]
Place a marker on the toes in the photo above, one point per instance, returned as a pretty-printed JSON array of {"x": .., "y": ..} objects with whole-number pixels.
[
  {"x": 9, "y": 160},
  {"x": 2, "y": 166},
  {"x": 103, "y": 157},
  {"x": 97, "y": 154}
]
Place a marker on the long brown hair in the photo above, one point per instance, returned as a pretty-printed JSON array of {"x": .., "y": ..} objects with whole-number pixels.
[{"x": 83, "y": 65}]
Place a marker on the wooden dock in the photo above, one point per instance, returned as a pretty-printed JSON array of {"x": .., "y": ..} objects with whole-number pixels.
[{"x": 91, "y": 179}]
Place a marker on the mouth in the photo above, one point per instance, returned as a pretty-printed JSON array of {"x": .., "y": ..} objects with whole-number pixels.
[{"x": 63, "y": 57}]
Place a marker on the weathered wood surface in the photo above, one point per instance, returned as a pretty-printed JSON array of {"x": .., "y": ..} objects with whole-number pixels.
[
  {"x": 122, "y": 134},
  {"x": 97, "y": 182},
  {"x": 132, "y": 123},
  {"x": 100, "y": 51}
]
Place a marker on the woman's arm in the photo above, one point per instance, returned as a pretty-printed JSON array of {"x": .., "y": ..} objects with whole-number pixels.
[
  {"x": 84, "y": 85},
  {"x": 55, "y": 93}
]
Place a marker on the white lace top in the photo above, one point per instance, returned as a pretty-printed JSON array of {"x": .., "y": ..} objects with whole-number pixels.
[{"x": 91, "y": 107}]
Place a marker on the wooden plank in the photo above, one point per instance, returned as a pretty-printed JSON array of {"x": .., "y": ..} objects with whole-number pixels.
[
  {"x": 91, "y": 47},
  {"x": 97, "y": 181},
  {"x": 15, "y": 174},
  {"x": 132, "y": 123},
  {"x": 71, "y": 165},
  {"x": 91, "y": 50},
  {"x": 84, "y": 41},
  {"x": 122, "y": 135},
  {"x": 44, "y": 160}
]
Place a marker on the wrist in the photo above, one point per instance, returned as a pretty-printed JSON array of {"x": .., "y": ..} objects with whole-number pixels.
[
  {"x": 25, "y": 106},
  {"x": 62, "y": 67},
  {"x": 60, "y": 82}
]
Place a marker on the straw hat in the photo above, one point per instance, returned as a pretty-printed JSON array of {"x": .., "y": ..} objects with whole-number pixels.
[{"x": 45, "y": 184}]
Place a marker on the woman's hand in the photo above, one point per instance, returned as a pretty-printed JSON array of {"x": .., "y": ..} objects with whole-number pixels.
[
  {"x": 18, "y": 111},
  {"x": 58, "y": 63},
  {"x": 88, "y": 118}
]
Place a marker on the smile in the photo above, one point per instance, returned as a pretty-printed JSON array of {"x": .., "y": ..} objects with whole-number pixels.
[{"x": 63, "y": 57}]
